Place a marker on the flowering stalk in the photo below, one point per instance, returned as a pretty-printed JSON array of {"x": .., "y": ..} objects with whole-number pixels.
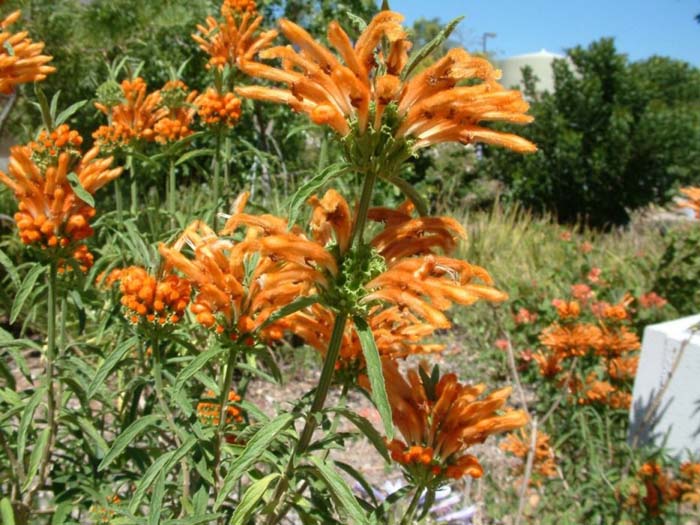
[
  {"x": 171, "y": 191},
  {"x": 408, "y": 518},
  {"x": 134, "y": 183},
  {"x": 223, "y": 403},
  {"x": 216, "y": 181}
]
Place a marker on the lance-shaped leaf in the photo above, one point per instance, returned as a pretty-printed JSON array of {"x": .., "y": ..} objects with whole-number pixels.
[
  {"x": 126, "y": 437},
  {"x": 424, "y": 52},
  {"x": 250, "y": 499}
]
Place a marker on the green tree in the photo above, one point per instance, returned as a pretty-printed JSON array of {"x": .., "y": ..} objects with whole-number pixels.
[{"x": 614, "y": 136}]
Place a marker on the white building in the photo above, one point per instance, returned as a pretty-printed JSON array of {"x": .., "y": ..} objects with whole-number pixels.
[{"x": 541, "y": 64}]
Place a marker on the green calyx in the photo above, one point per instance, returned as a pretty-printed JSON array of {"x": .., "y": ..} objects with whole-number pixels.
[
  {"x": 360, "y": 265},
  {"x": 110, "y": 93}
]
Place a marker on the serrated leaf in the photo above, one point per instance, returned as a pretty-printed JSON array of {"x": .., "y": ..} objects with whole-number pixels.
[
  {"x": 340, "y": 491},
  {"x": 310, "y": 187},
  {"x": 126, "y": 437},
  {"x": 196, "y": 365},
  {"x": 67, "y": 113},
  {"x": 35, "y": 458},
  {"x": 288, "y": 309},
  {"x": 6, "y": 512},
  {"x": 79, "y": 190},
  {"x": 250, "y": 499},
  {"x": 424, "y": 52},
  {"x": 24, "y": 290},
  {"x": 359, "y": 23},
  {"x": 375, "y": 374},
  {"x": 9, "y": 266},
  {"x": 112, "y": 359},
  {"x": 26, "y": 420},
  {"x": 255, "y": 448},
  {"x": 364, "y": 426}
]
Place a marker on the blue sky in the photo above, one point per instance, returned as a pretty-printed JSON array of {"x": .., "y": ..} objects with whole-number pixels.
[{"x": 641, "y": 27}]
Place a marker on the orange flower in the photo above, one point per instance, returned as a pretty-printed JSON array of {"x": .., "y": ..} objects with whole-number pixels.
[
  {"x": 175, "y": 123},
  {"x": 518, "y": 444},
  {"x": 594, "y": 275},
  {"x": 49, "y": 145},
  {"x": 623, "y": 368},
  {"x": 652, "y": 300},
  {"x": 567, "y": 311},
  {"x": 50, "y": 214},
  {"x": 571, "y": 341},
  {"x": 615, "y": 341},
  {"x": 582, "y": 292},
  {"x": 148, "y": 299},
  {"x": 660, "y": 490},
  {"x": 525, "y": 316},
  {"x": 239, "y": 285},
  {"x": 596, "y": 391},
  {"x": 218, "y": 108},
  {"x": 134, "y": 119},
  {"x": 440, "y": 418},
  {"x": 690, "y": 483},
  {"x": 549, "y": 363},
  {"x": 234, "y": 39},
  {"x": 693, "y": 202},
  {"x": 209, "y": 409},
  {"x": 364, "y": 88},
  {"x": 21, "y": 60}
]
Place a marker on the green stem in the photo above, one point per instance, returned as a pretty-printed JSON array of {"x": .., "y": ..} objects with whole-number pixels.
[
  {"x": 134, "y": 185},
  {"x": 227, "y": 166},
  {"x": 49, "y": 374},
  {"x": 363, "y": 208},
  {"x": 171, "y": 192},
  {"x": 216, "y": 182},
  {"x": 408, "y": 518},
  {"x": 158, "y": 359},
  {"x": 118, "y": 198},
  {"x": 223, "y": 400}
]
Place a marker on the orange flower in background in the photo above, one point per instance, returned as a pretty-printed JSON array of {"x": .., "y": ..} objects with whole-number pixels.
[
  {"x": 615, "y": 341},
  {"x": 234, "y": 39},
  {"x": 582, "y": 292},
  {"x": 440, "y": 420},
  {"x": 209, "y": 409},
  {"x": 549, "y": 363},
  {"x": 366, "y": 87},
  {"x": 178, "y": 103},
  {"x": 571, "y": 341},
  {"x": 518, "y": 444},
  {"x": 146, "y": 298},
  {"x": 50, "y": 214},
  {"x": 525, "y": 316},
  {"x": 693, "y": 201},
  {"x": 21, "y": 60},
  {"x": 134, "y": 118},
  {"x": 623, "y": 368},
  {"x": 652, "y": 300},
  {"x": 218, "y": 108},
  {"x": 567, "y": 311}
]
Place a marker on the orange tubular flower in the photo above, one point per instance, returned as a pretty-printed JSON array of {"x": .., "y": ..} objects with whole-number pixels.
[
  {"x": 693, "y": 201},
  {"x": 218, "y": 108},
  {"x": 441, "y": 420},
  {"x": 209, "y": 409},
  {"x": 178, "y": 105},
  {"x": 236, "y": 298},
  {"x": 352, "y": 91},
  {"x": 518, "y": 444},
  {"x": 21, "y": 60},
  {"x": 50, "y": 214},
  {"x": 571, "y": 341},
  {"x": 148, "y": 299},
  {"x": 134, "y": 119},
  {"x": 233, "y": 40}
]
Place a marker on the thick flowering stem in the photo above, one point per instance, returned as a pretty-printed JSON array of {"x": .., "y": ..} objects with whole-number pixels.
[
  {"x": 363, "y": 208},
  {"x": 134, "y": 184},
  {"x": 408, "y": 518},
  {"x": 171, "y": 192},
  {"x": 216, "y": 183},
  {"x": 223, "y": 401}
]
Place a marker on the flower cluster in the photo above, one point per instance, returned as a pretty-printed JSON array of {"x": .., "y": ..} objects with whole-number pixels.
[
  {"x": 209, "y": 409},
  {"x": 51, "y": 214},
  {"x": 48, "y": 145},
  {"x": 21, "y": 60},
  {"x": 365, "y": 90},
  {"x": 146, "y": 298},
  {"x": 440, "y": 418},
  {"x": 177, "y": 101},
  {"x": 235, "y": 38},
  {"x": 663, "y": 487},
  {"x": 544, "y": 464},
  {"x": 216, "y": 108}
]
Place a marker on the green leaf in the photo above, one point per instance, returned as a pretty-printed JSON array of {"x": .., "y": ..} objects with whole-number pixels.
[
  {"x": 409, "y": 191},
  {"x": 6, "y": 263},
  {"x": 311, "y": 186},
  {"x": 27, "y": 419},
  {"x": 90, "y": 431},
  {"x": 364, "y": 426},
  {"x": 54, "y": 106},
  {"x": 79, "y": 191},
  {"x": 62, "y": 512},
  {"x": 67, "y": 113},
  {"x": 156, "y": 504},
  {"x": 44, "y": 107},
  {"x": 126, "y": 437},
  {"x": 340, "y": 491},
  {"x": 255, "y": 448},
  {"x": 427, "y": 49},
  {"x": 117, "y": 355},
  {"x": 357, "y": 476},
  {"x": 250, "y": 499},
  {"x": 8, "y": 47},
  {"x": 358, "y": 22},
  {"x": 35, "y": 458},
  {"x": 194, "y": 520},
  {"x": 194, "y": 154},
  {"x": 288, "y": 309},
  {"x": 6, "y": 512},
  {"x": 25, "y": 289},
  {"x": 196, "y": 365},
  {"x": 376, "y": 376}
]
